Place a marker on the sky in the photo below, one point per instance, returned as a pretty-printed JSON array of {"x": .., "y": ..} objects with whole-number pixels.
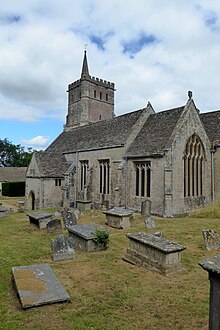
[{"x": 153, "y": 50}]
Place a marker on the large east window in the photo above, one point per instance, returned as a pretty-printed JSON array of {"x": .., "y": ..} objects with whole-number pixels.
[
  {"x": 104, "y": 176},
  {"x": 193, "y": 167},
  {"x": 84, "y": 164},
  {"x": 143, "y": 178}
]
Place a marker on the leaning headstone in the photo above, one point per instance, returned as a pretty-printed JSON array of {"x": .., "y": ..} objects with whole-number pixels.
[
  {"x": 54, "y": 225},
  {"x": 62, "y": 248},
  {"x": 69, "y": 218},
  {"x": 77, "y": 213},
  {"x": 146, "y": 208},
  {"x": 149, "y": 223},
  {"x": 211, "y": 239}
]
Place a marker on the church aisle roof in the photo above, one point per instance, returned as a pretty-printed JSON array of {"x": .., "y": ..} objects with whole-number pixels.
[
  {"x": 211, "y": 122},
  {"x": 155, "y": 134},
  {"x": 104, "y": 134},
  {"x": 51, "y": 164}
]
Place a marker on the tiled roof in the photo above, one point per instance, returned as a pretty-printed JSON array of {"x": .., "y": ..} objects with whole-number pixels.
[
  {"x": 12, "y": 173},
  {"x": 155, "y": 134},
  {"x": 106, "y": 133},
  {"x": 211, "y": 122},
  {"x": 51, "y": 164}
]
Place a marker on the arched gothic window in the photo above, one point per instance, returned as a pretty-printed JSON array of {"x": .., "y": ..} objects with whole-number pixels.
[
  {"x": 143, "y": 178},
  {"x": 193, "y": 167}
]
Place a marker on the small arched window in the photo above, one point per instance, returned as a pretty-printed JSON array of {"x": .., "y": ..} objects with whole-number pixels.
[{"x": 193, "y": 167}]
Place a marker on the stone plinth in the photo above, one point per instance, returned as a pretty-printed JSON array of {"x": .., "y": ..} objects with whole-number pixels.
[
  {"x": 3, "y": 211},
  {"x": 118, "y": 217},
  {"x": 154, "y": 253},
  {"x": 83, "y": 205},
  {"x": 40, "y": 219},
  {"x": 37, "y": 285},
  {"x": 212, "y": 266},
  {"x": 83, "y": 237}
]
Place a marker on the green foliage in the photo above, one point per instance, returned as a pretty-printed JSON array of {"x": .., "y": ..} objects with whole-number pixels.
[
  {"x": 14, "y": 155},
  {"x": 12, "y": 189},
  {"x": 102, "y": 237}
]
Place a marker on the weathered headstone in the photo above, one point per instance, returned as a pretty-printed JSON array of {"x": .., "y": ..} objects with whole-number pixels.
[
  {"x": 37, "y": 285},
  {"x": 57, "y": 213},
  {"x": 62, "y": 248},
  {"x": 146, "y": 208},
  {"x": 211, "y": 239},
  {"x": 69, "y": 218},
  {"x": 54, "y": 225},
  {"x": 149, "y": 223}
]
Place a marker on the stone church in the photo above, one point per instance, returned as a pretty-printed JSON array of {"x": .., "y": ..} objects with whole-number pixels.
[{"x": 171, "y": 157}]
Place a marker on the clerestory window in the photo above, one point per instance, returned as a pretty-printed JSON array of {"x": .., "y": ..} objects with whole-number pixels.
[
  {"x": 193, "y": 167},
  {"x": 143, "y": 178}
]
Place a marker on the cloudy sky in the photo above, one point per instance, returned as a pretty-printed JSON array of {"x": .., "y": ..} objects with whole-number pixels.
[{"x": 153, "y": 50}]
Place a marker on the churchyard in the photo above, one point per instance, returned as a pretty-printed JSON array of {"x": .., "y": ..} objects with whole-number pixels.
[{"x": 106, "y": 292}]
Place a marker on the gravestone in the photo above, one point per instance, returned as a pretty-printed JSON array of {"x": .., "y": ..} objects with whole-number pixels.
[
  {"x": 211, "y": 239},
  {"x": 3, "y": 212},
  {"x": 37, "y": 285},
  {"x": 54, "y": 225},
  {"x": 149, "y": 223},
  {"x": 69, "y": 218},
  {"x": 62, "y": 248},
  {"x": 146, "y": 208},
  {"x": 119, "y": 217}
]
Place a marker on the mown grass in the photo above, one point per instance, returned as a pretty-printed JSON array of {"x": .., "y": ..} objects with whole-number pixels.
[{"x": 106, "y": 292}]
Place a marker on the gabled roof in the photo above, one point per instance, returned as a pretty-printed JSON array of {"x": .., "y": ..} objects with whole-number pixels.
[
  {"x": 104, "y": 134},
  {"x": 155, "y": 134},
  {"x": 51, "y": 164},
  {"x": 211, "y": 122},
  {"x": 12, "y": 173}
]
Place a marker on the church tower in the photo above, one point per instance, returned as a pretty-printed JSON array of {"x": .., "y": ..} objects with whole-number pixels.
[{"x": 90, "y": 99}]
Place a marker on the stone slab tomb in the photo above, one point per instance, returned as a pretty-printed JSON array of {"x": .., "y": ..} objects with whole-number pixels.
[
  {"x": 119, "y": 217},
  {"x": 40, "y": 219},
  {"x": 84, "y": 205},
  {"x": 84, "y": 236},
  {"x": 211, "y": 239},
  {"x": 54, "y": 225},
  {"x": 37, "y": 285},
  {"x": 154, "y": 253},
  {"x": 62, "y": 248}
]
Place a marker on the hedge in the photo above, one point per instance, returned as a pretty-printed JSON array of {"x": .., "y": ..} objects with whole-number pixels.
[{"x": 13, "y": 188}]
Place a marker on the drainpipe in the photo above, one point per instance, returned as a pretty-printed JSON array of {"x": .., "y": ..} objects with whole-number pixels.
[
  {"x": 126, "y": 183},
  {"x": 212, "y": 150}
]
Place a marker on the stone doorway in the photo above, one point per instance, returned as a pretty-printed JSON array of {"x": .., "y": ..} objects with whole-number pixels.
[{"x": 31, "y": 201}]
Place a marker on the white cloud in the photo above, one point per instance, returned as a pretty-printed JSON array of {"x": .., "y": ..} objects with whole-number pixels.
[
  {"x": 42, "y": 48},
  {"x": 37, "y": 141}
]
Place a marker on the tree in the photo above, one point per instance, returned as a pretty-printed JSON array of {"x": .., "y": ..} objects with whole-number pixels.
[{"x": 14, "y": 155}]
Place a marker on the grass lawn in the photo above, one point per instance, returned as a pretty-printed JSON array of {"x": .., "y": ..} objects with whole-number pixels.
[{"x": 106, "y": 292}]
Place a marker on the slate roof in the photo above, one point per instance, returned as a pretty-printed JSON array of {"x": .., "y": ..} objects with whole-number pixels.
[
  {"x": 51, "y": 164},
  {"x": 103, "y": 134},
  {"x": 12, "y": 173},
  {"x": 155, "y": 134},
  {"x": 211, "y": 122}
]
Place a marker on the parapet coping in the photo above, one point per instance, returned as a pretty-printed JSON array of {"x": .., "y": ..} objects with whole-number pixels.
[{"x": 156, "y": 242}]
